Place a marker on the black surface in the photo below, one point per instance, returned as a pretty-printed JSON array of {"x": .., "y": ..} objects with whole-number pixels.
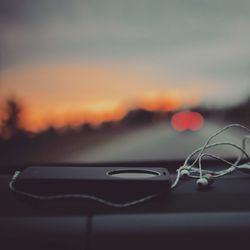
[
  {"x": 95, "y": 181},
  {"x": 43, "y": 232},
  {"x": 171, "y": 231},
  {"x": 186, "y": 217}
]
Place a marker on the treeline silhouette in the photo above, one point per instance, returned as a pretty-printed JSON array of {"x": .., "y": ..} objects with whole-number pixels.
[{"x": 20, "y": 147}]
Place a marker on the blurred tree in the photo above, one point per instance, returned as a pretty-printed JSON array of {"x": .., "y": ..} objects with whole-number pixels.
[
  {"x": 138, "y": 117},
  {"x": 11, "y": 123}
]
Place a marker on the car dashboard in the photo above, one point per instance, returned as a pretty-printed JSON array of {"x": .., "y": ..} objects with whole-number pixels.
[{"x": 186, "y": 217}]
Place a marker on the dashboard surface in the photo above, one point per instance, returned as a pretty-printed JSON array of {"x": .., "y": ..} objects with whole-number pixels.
[{"x": 219, "y": 215}]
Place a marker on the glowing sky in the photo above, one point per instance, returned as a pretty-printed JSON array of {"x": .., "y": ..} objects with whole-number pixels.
[{"x": 74, "y": 60}]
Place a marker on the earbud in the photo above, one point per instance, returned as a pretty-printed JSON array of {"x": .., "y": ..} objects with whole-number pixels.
[
  {"x": 184, "y": 173},
  {"x": 205, "y": 181}
]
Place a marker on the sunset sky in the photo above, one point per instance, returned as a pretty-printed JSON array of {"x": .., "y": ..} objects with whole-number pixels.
[{"x": 74, "y": 61}]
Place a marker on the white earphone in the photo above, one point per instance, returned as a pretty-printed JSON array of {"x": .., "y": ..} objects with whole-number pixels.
[
  {"x": 205, "y": 181},
  {"x": 184, "y": 173},
  {"x": 205, "y": 177}
]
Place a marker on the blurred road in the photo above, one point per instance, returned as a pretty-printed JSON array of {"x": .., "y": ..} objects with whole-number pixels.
[{"x": 159, "y": 142}]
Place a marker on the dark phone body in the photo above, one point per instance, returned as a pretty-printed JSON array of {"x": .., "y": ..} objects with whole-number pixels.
[{"x": 115, "y": 183}]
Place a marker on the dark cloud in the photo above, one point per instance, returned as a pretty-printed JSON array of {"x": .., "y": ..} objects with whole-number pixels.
[{"x": 32, "y": 11}]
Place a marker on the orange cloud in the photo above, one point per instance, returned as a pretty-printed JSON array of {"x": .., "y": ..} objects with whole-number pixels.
[{"x": 60, "y": 94}]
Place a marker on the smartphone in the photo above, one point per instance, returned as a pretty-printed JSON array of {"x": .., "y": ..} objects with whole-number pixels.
[{"x": 116, "y": 183}]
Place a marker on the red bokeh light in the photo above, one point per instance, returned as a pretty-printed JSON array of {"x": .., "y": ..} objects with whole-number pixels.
[{"x": 187, "y": 120}]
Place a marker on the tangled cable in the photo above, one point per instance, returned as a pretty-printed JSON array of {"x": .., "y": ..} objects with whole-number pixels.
[
  {"x": 76, "y": 196},
  {"x": 206, "y": 176}
]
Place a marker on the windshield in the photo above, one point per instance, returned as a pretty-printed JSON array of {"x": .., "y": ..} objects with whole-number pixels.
[{"x": 114, "y": 80}]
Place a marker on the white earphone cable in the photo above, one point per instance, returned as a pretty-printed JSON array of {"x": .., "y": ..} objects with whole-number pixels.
[{"x": 200, "y": 151}]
